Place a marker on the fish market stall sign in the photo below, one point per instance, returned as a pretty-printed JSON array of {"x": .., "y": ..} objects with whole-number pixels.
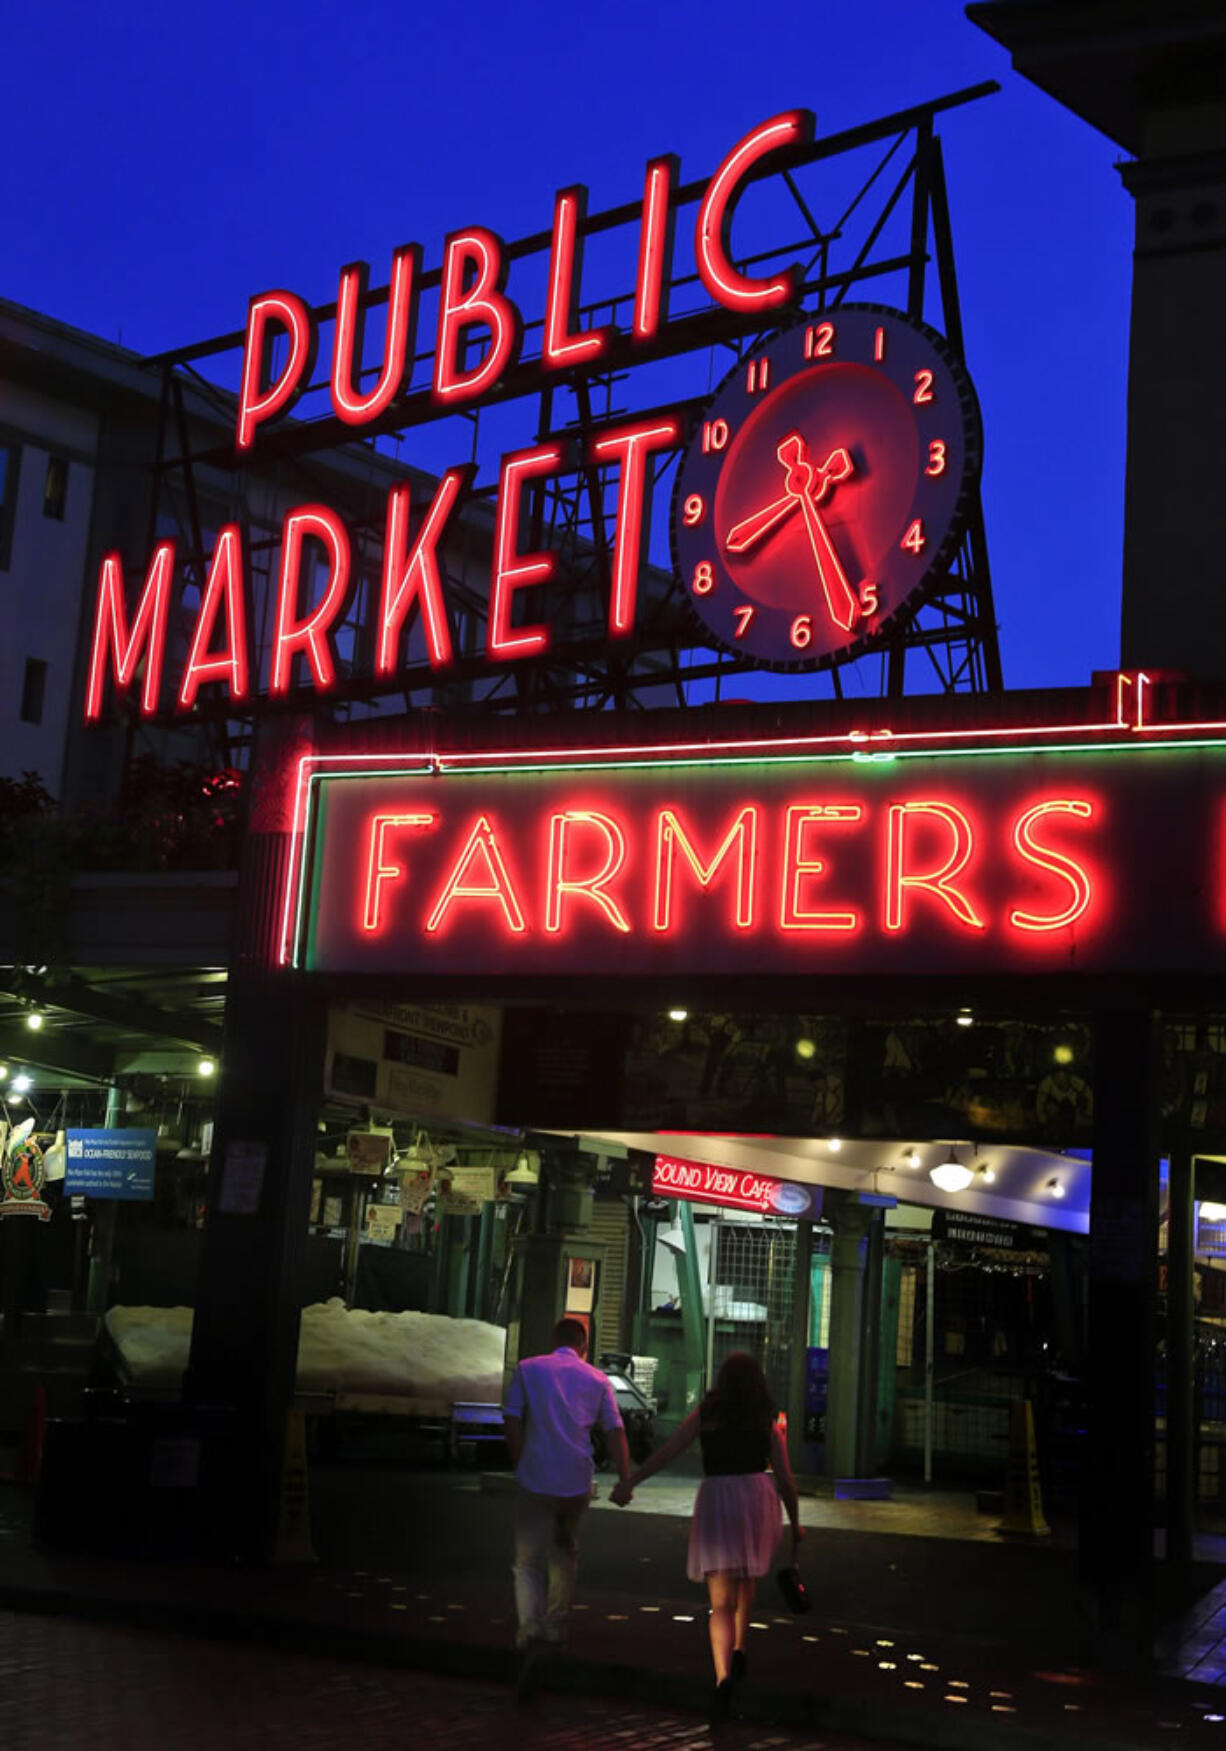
[{"x": 111, "y": 1164}]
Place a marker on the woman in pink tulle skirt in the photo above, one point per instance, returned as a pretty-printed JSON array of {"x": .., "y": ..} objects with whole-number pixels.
[{"x": 737, "y": 1522}]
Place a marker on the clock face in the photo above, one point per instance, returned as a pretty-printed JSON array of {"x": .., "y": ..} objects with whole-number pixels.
[{"x": 823, "y": 487}]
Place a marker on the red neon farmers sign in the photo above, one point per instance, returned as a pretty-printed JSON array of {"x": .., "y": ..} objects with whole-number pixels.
[{"x": 1022, "y": 860}]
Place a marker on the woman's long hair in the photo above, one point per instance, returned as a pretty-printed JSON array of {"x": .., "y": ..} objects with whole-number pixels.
[{"x": 740, "y": 1397}]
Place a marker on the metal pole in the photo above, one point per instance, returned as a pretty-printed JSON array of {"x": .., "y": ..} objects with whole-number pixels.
[
  {"x": 713, "y": 1228},
  {"x": 1180, "y": 1359},
  {"x": 485, "y": 1240},
  {"x": 103, "y": 1238},
  {"x": 690, "y": 1284},
  {"x": 768, "y": 1339},
  {"x": 798, "y": 1345},
  {"x": 929, "y": 1356}
]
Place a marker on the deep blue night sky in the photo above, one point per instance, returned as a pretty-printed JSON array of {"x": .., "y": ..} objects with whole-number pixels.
[{"x": 166, "y": 162}]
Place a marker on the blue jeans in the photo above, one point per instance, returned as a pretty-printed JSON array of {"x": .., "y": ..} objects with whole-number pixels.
[{"x": 546, "y": 1563}]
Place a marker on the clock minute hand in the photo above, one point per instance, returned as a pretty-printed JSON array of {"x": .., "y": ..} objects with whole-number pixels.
[{"x": 794, "y": 454}]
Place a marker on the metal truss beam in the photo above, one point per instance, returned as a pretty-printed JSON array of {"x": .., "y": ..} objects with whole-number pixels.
[
  {"x": 57, "y": 1054},
  {"x": 955, "y": 626},
  {"x": 130, "y": 1015}
]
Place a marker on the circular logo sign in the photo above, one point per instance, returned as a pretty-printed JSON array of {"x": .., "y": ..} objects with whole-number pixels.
[
  {"x": 827, "y": 482},
  {"x": 790, "y": 1200},
  {"x": 23, "y": 1176}
]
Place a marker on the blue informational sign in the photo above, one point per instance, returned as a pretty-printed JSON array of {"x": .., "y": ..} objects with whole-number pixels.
[
  {"x": 817, "y": 1396},
  {"x": 110, "y": 1164}
]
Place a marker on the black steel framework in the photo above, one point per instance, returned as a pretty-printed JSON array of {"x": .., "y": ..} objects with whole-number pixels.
[{"x": 902, "y": 236}]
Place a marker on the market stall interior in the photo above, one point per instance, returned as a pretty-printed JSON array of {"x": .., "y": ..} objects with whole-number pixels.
[{"x": 962, "y": 1291}]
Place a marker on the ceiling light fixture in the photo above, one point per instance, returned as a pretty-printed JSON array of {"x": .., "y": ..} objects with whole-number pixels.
[
  {"x": 527, "y": 1169},
  {"x": 1062, "y": 1054},
  {"x": 1213, "y": 1212},
  {"x": 34, "y": 1019},
  {"x": 806, "y": 1048},
  {"x": 834, "y": 1144},
  {"x": 206, "y": 1067},
  {"x": 678, "y": 1015},
  {"x": 964, "y": 1018},
  {"x": 986, "y": 1172},
  {"x": 20, "y": 1083},
  {"x": 1054, "y": 1188},
  {"x": 912, "y": 1158},
  {"x": 951, "y": 1175}
]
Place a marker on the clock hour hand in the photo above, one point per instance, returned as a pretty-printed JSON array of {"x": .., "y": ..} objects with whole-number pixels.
[
  {"x": 753, "y": 528},
  {"x": 741, "y": 538},
  {"x": 794, "y": 454}
]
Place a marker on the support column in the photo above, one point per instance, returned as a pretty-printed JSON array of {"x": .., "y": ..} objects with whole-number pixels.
[
  {"x": 245, "y": 1337},
  {"x": 563, "y": 1208},
  {"x": 459, "y": 1262},
  {"x": 689, "y": 1282},
  {"x": 798, "y": 1347},
  {"x": 1116, "y": 1536},
  {"x": 1180, "y": 1359},
  {"x": 538, "y": 1267},
  {"x": 479, "y": 1290},
  {"x": 870, "y": 1347},
  {"x": 851, "y": 1223}
]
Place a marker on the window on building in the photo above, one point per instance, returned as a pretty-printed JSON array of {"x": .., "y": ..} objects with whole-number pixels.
[
  {"x": 33, "y": 691},
  {"x": 10, "y": 461},
  {"x": 55, "y": 488}
]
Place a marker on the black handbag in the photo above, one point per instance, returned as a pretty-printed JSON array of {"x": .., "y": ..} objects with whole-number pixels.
[{"x": 795, "y": 1593}]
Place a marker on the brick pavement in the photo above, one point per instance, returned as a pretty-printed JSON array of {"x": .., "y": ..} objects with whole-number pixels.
[
  {"x": 66, "y": 1684},
  {"x": 433, "y": 1593}
]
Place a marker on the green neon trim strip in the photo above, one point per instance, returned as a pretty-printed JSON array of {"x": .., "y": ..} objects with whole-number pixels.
[
  {"x": 845, "y": 756},
  {"x": 852, "y": 755},
  {"x": 305, "y": 859}
]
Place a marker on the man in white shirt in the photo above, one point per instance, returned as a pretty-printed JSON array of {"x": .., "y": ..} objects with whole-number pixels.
[{"x": 552, "y": 1404}]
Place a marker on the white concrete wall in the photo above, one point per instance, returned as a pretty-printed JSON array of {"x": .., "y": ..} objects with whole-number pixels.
[{"x": 41, "y": 592}]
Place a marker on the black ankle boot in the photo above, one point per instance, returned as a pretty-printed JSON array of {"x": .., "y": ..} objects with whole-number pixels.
[
  {"x": 721, "y": 1703},
  {"x": 740, "y": 1665}
]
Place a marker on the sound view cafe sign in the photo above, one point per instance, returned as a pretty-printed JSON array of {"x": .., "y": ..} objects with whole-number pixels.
[{"x": 733, "y": 1188}]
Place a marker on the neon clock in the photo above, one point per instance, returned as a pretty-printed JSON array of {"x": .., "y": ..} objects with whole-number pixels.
[{"x": 826, "y": 484}]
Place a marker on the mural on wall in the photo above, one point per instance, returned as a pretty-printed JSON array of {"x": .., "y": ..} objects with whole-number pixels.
[
  {"x": 674, "y": 1072},
  {"x": 718, "y": 1071},
  {"x": 1192, "y": 1082},
  {"x": 1029, "y": 1081},
  {"x": 805, "y": 1075}
]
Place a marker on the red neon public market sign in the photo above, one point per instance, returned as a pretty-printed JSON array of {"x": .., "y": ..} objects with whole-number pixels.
[
  {"x": 477, "y": 340},
  {"x": 802, "y": 859}
]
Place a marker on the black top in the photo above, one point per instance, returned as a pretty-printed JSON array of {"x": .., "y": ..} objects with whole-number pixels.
[{"x": 733, "y": 1452}]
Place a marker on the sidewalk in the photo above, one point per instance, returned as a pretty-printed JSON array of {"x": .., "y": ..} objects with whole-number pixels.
[{"x": 934, "y": 1641}]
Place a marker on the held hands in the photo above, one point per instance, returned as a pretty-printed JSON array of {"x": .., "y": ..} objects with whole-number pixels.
[
  {"x": 798, "y": 1533},
  {"x": 622, "y": 1494}
]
